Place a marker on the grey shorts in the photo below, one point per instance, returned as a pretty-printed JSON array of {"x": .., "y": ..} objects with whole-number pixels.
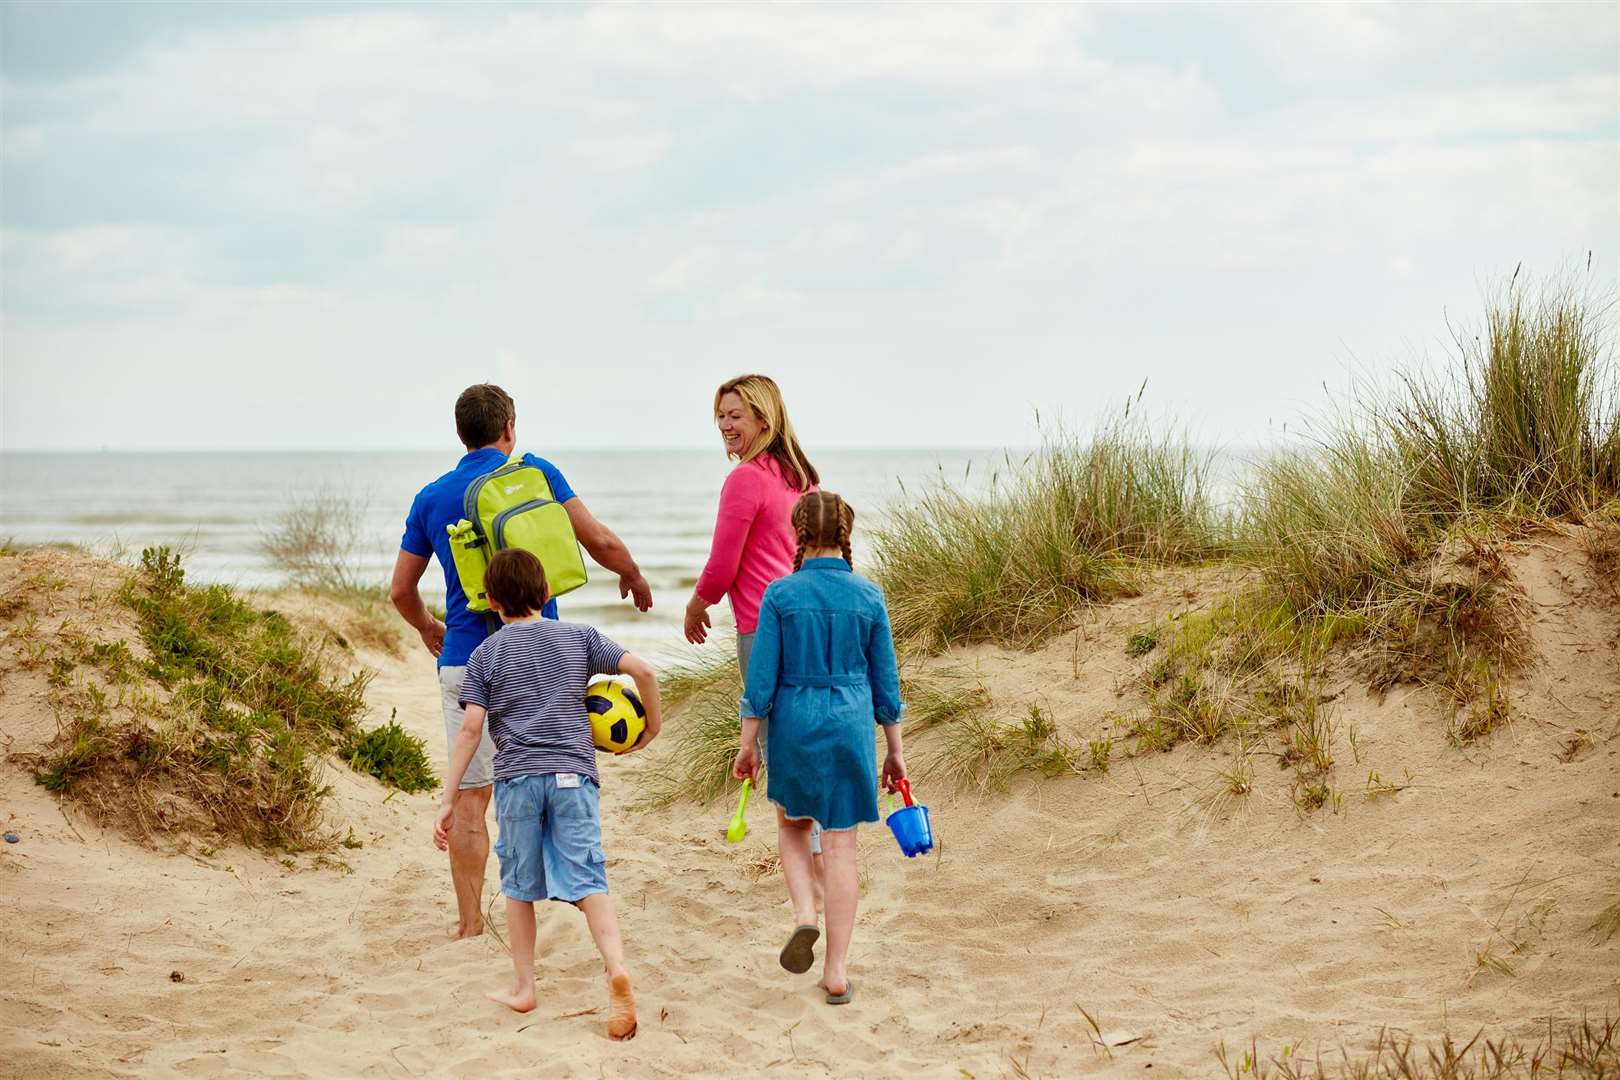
[
  {"x": 745, "y": 649},
  {"x": 481, "y": 770}
]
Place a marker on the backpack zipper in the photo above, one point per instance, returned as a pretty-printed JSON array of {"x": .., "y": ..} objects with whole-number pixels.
[{"x": 498, "y": 526}]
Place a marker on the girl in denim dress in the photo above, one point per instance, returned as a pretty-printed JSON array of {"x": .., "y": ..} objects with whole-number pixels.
[{"x": 822, "y": 671}]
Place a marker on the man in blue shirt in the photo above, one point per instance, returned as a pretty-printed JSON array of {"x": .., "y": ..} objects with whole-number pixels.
[{"x": 485, "y": 422}]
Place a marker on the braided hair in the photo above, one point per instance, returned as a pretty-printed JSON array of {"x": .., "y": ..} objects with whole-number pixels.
[{"x": 822, "y": 519}]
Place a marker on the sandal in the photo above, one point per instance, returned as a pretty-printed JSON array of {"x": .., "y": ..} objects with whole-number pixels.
[{"x": 799, "y": 952}]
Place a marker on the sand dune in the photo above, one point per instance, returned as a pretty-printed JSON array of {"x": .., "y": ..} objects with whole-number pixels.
[{"x": 1178, "y": 920}]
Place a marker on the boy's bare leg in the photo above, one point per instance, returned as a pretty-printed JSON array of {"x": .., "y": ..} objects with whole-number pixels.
[
  {"x": 520, "y": 925},
  {"x": 843, "y": 894},
  {"x": 603, "y": 920},
  {"x": 469, "y": 854},
  {"x": 793, "y": 844},
  {"x": 818, "y": 863}
]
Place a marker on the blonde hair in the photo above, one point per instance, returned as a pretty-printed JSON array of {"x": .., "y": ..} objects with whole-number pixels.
[
  {"x": 761, "y": 394},
  {"x": 822, "y": 519}
]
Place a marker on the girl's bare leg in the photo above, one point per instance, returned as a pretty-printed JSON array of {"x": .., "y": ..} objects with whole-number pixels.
[
  {"x": 843, "y": 895},
  {"x": 793, "y": 844},
  {"x": 520, "y": 924}
]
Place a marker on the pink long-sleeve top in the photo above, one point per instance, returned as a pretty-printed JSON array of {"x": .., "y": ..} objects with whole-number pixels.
[{"x": 753, "y": 539}]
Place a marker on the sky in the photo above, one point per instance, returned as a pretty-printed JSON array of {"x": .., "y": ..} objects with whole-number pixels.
[{"x": 286, "y": 226}]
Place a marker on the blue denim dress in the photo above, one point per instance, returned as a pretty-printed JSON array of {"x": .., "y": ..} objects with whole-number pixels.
[{"x": 822, "y": 670}]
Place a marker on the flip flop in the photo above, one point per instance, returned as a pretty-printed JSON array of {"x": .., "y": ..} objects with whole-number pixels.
[
  {"x": 842, "y": 999},
  {"x": 799, "y": 952}
]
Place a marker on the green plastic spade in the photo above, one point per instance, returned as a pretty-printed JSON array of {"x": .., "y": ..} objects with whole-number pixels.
[{"x": 739, "y": 825}]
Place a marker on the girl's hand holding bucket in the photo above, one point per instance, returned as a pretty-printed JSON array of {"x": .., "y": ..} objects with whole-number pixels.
[
  {"x": 894, "y": 771},
  {"x": 910, "y": 825}
]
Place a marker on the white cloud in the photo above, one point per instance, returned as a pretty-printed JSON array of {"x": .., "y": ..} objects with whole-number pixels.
[{"x": 642, "y": 200}]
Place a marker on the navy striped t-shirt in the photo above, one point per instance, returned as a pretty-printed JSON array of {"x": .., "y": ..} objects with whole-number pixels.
[{"x": 531, "y": 676}]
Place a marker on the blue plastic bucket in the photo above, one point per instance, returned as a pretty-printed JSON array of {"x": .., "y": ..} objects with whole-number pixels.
[{"x": 911, "y": 829}]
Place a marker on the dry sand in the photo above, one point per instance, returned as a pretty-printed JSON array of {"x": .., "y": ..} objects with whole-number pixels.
[{"x": 1175, "y": 918}]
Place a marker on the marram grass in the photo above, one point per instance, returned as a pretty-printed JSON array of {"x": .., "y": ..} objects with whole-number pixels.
[{"x": 1074, "y": 521}]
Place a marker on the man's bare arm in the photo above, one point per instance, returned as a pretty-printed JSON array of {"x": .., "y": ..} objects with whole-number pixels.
[
  {"x": 407, "y": 598},
  {"x": 610, "y": 552}
]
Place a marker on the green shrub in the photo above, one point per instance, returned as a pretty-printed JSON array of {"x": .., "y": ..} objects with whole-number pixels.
[
  {"x": 394, "y": 756},
  {"x": 241, "y": 736}
]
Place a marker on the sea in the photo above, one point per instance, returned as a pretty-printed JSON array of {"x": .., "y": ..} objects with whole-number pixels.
[{"x": 217, "y": 509}]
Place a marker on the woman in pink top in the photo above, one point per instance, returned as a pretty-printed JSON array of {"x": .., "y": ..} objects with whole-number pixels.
[{"x": 754, "y": 542}]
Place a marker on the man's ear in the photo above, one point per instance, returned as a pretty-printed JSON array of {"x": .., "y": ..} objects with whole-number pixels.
[{"x": 510, "y": 433}]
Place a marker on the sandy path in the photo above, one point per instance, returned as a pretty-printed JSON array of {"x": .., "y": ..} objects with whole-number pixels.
[{"x": 1128, "y": 896}]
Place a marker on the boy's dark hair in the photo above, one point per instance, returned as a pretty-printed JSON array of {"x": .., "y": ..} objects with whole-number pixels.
[
  {"x": 482, "y": 412},
  {"x": 516, "y": 581}
]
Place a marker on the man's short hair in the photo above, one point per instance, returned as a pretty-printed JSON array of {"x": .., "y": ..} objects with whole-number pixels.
[
  {"x": 516, "y": 581},
  {"x": 482, "y": 413}
]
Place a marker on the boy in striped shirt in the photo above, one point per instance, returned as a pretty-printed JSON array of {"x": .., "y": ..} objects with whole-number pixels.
[{"x": 529, "y": 680}]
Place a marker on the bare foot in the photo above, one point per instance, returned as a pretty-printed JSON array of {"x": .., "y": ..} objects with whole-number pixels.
[
  {"x": 517, "y": 999},
  {"x": 621, "y": 1008}
]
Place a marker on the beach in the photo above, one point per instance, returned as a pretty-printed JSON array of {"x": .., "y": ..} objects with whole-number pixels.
[{"x": 1085, "y": 924}]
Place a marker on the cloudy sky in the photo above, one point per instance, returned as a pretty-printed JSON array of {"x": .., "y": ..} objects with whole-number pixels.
[{"x": 288, "y": 226}]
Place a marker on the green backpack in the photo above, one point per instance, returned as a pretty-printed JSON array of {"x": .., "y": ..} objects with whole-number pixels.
[{"x": 512, "y": 507}]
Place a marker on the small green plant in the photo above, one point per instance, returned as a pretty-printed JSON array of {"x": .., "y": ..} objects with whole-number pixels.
[
  {"x": 1101, "y": 750},
  {"x": 1141, "y": 642},
  {"x": 1378, "y": 786},
  {"x": 1312, "y": 795},
  {"x": 394, "y": 756},
  {"x": 986, "y": 753},
  {"x": 61, "y": 672},
  {"x": 1152, "y": 734},
  {"x": 1487, "y": 711}
]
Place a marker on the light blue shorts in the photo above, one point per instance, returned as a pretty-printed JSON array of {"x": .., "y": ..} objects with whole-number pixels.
[{"x": 550, "y": 840}]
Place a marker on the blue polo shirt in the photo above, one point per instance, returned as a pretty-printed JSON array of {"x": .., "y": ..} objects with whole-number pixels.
[{"x": 436, "y": 508}]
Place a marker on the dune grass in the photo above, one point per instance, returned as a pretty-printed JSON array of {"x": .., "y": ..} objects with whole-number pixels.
[
  {"x": 1523, "y": 425},
  {"x": 1587, "y": 1050},
  {"x": 1076, "y": 520},
  {"x": 223, "y": 727}
]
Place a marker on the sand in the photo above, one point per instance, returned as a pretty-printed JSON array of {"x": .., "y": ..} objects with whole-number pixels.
[{"x": 1178, "y": 919}]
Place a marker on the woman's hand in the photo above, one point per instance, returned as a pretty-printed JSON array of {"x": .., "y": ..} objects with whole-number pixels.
[
  {"x": 894, "y": 771},
  {"x": 746, "y": 767},
  {"x": 697, "y": 620},
  {"x": 441, "y": 826}
]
